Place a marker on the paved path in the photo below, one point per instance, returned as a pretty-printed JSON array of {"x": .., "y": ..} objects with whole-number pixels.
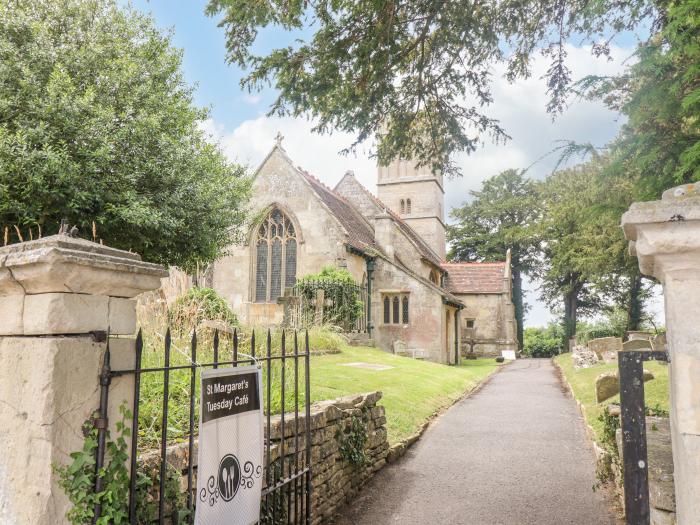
[{"x": 514, "y": 453}]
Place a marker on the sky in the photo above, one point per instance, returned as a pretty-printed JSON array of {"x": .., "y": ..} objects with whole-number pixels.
[{"x": 239, "y": 123}]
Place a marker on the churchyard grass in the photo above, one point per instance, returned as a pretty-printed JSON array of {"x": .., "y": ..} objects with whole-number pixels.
[
  {"x": 413, "y": 390},
  {"x": 582, "y": 382}
]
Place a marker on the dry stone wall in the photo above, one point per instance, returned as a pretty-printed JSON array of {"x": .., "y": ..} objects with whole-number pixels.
[{"x": 335, "y": 425}]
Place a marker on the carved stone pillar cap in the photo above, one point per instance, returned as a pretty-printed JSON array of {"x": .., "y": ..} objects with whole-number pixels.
[
  {"x": 60, "y": 263},
  {"x": 665, "y": 234}
]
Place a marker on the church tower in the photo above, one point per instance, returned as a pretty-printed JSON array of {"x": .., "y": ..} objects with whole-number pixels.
[{"x": 417, "y": 196}]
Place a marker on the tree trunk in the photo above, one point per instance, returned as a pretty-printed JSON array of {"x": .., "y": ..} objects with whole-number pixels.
[
  {"x": 518, "y": 303},
  {"x": 635, "y": 303},
  {"x": 570, "y": 313}
]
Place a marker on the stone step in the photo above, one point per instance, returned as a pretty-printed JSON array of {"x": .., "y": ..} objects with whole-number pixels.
[{"x": 359, "y": 339}]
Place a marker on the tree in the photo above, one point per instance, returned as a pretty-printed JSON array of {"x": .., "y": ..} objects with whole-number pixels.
[
  {"x": 568, "y": 255},
  {"x": 501, "y": 217},
  {"x": 421, "y": 70},
  {"x": 660, "y": 94},
  {"x": 98, "y": 125}
]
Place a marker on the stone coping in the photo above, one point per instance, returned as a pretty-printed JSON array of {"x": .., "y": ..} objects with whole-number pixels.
[
  {"x": 60, "y": 263},
  {"x": 678, "y": 204}
]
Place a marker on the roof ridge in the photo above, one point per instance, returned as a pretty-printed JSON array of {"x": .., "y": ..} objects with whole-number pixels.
[{"x": 397, "y": 218}]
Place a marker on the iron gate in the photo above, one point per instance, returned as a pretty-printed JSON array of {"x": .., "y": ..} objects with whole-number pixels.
[
  {"x": 286, "y": 495},
  {"x": 634, "y": 435}
]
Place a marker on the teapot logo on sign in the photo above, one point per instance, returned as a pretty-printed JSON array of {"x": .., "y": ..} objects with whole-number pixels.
[{"x": 229, "y": 480}]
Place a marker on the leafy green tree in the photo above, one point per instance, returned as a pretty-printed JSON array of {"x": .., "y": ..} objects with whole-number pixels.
[
  {"x": 98, "y": 126},
  {"x": 660, "y": 95},
  {"x": 568, "y": 257},
  {"x": 502, "y": 216},
  {"x": 421, "y": 70}
]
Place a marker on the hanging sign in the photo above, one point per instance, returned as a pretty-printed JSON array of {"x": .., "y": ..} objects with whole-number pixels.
[{"x": 229, "y": 468}]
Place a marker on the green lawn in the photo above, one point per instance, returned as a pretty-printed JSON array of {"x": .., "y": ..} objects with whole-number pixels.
[
  {"x": 582, "y": 382},
  {"x": 413, "y": 390}
]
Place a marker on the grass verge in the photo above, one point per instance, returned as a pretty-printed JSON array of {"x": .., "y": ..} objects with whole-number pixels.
[{"x": 582, "y": 382}]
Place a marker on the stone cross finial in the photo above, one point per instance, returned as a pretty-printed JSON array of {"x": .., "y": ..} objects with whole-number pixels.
[{"x": 278, "y": 139}]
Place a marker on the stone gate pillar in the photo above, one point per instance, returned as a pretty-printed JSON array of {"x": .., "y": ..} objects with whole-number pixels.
[
  {"x": 665, "y": 236},
  {"x": 58, "y": 296}
]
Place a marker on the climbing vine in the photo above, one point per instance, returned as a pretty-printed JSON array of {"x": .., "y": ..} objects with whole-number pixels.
[
  {"x": 352, "y": 443},
  {"x": 78, "y": 478},
  {"x": 610, "y": 460},
  {"x": 78, "y": 481}
]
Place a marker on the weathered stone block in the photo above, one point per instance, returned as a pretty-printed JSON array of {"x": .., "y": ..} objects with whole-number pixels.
[
  {"x": 608, "y": 385},
  {"x": 12, "y": 314},
  {"x": 122, "y": 316},
  {"x": 605, "y": 345},
  {"x": 64, "y": 313}
]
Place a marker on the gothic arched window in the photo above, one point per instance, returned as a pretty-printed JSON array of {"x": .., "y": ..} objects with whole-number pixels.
[
  {"x": 403, "y": 206},
  {"x": 408, "y": 206},
  {"x": 387, "y": 312},
  {"x": 395, "y": 317},
  {"x": 404, "y": 309},
  {"x": 275, "y": 257}
]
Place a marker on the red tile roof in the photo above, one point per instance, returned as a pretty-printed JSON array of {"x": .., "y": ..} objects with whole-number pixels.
[
  {"x": 360, "y": 234},
  {"x": 474, "y": 278}
]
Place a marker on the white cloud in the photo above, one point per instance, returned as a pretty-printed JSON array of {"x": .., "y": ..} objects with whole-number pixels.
[{"x": 520, "y": 107}]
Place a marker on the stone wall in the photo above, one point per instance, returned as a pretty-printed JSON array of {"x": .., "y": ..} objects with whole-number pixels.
[
  {"x": 494, "y": 324},
  {"x": 335, "y": 479}
]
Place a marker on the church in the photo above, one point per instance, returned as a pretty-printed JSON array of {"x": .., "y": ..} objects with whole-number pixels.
[{"x": 392, "y": 243}]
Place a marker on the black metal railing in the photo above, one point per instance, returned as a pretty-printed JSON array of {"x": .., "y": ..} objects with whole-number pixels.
[
  {"x": 326, "y": 302},
  {"x": 635, "y": 462},
  {"x": 286, "y": 494}
]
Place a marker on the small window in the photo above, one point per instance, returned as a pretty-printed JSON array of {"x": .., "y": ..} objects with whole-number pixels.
[
  {"x": 396, "y": 308},
  {"x": 469, "y": 323},
  {"x": 434, "y": 277},
  {"x": 403, "y": 206},
  {"x": 408, "y": 206}
]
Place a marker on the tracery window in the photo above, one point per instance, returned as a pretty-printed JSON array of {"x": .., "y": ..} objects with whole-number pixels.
[{"x": 275, "y": 257}]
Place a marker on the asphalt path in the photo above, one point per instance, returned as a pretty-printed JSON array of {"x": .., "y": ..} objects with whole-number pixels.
[{"x": 513, "y": 453}]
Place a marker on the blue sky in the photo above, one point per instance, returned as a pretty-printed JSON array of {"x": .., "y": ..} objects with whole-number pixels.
[{"x": 239, "y": 124}]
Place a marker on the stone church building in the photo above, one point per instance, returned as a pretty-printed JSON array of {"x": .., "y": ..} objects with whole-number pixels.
[{"x": 393, "y": 243}]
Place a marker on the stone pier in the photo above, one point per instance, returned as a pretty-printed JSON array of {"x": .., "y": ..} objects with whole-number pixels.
[
  {"x": 665, "y": 236},
  {"x": 59, "y": 297}
]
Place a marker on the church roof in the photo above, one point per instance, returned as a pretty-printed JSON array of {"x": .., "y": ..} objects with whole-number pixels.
[
  {"x": 475, "y": 278},
  {"x": 425, "y": 250},
  {"x": 360, "y": 233}
]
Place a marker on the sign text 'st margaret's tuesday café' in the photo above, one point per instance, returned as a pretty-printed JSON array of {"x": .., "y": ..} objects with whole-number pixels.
[{"x": 229, "y": 471}]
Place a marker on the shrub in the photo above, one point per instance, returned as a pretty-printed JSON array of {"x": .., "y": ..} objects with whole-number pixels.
[
  {"x": 542, "y": 342},
  {"x": 344, "y": 305},
  {"x": 200, "y": 304}
]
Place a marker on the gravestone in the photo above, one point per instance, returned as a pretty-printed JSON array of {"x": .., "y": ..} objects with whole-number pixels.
[{"x": 608, "y": 385}]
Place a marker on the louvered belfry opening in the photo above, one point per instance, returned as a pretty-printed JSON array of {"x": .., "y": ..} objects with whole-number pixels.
[{"x": 276, "y": 257}]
